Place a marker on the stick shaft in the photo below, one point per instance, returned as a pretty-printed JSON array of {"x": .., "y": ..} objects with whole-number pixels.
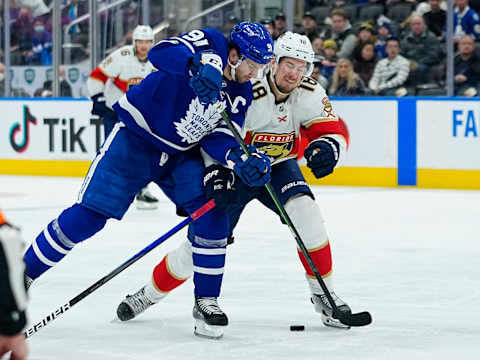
[{"x": 67, "y": 306}]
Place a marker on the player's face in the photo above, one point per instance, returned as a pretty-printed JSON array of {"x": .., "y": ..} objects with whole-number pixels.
[
  {"x": 289, "y": 73},
  {"x": 248, "y": 70},
  {"x": 142, "y": 48}
]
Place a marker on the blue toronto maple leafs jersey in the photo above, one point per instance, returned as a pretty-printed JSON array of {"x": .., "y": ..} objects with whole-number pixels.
[{"x": 164, "y": 109}]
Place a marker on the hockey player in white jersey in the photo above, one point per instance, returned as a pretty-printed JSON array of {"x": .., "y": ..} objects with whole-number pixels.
[
  {"x": 285, "y": 102},
  {"x": 107, "y": 83}
]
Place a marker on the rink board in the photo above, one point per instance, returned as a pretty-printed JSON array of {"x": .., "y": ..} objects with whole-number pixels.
[{"x": 422, "y": 142}]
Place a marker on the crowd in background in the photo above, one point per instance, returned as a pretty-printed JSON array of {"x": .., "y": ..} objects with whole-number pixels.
[
  {"x": 31, "y": 34},
  {"x": 389, "y": 47},
  {"x": 363, "y": 47}
]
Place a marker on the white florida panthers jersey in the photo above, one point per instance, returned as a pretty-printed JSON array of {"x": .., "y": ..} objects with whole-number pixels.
[
  {"x": 119, "y": 71},
  {"x": 274, "y": 127}
]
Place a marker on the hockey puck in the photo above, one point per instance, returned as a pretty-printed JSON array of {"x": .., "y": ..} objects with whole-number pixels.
[{"x": 297, "y": 327}]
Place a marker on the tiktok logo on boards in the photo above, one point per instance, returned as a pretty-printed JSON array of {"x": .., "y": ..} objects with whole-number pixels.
[{"x": 16, "y": 128}]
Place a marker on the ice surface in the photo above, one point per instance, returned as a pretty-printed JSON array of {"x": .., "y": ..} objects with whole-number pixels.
[{"x": 411, "y": 257}]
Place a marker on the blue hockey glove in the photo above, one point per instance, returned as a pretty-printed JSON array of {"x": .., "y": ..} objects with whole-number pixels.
[
  {"x": 218, "y": 182},
  {"x": 206, "y": 80},
  {"x": 253, "y": 170},
  {"x": 322, "y": 156},
  {"x": 99, "y": 105}
]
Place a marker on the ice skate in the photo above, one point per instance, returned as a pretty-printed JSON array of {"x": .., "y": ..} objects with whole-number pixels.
[
  {"x": 322, "y": 306},
  {"x": 136, "y": 304},
  {"x": 145, "y": 200},
  {"x": 210, "y": 320}
]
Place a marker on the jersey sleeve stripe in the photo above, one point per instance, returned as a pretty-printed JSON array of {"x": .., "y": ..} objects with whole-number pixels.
[
  {"x": 98, "y": 74},
  {"x": 223, "y": 130},
  {"x": 186, "y": 43},
  {"x": 121, "y": 84}
]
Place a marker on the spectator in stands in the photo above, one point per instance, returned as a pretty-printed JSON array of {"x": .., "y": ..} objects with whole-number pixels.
[
  {"x": 422, "y": 48},
  {"x": 435, "y": 18},
  {"x": 424, "y": 6},
  {"x": 79, "y": 32},
  {"x": 384, "y": 31},
  {"x": 466, "y": 68},
  {"x": 21, "y": 38},
  {"x": 270, "y": 25},
  {"x": 392, "y": 72},
  {"x": 329, "y": 62},
  {"x": 345, "y": 82},
  {"x": 366, "y": 34},
  {"x": 42, "y": 44},
  {"x": 280, "y": 25},
  {"x": 37, "y": 7},
  {"x": 65, "y": 88},
  {"x": 317, "y": 45},
  {"x": 466, "y": 21},
  {"x": 342, "y": 33},
  {"x": 366, "y": 64},
  {"x": 309, "y": 26},
  {"x": 316, "y": 74}
]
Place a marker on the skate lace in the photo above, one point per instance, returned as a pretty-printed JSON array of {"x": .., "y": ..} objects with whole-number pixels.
[
  {"x": 209, "y": 305},
  {"x": 336, "y": 299},
  {"x": 138, "y": 301}
]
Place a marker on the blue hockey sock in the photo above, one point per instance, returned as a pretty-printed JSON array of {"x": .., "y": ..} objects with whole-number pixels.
[
  {"x": 208, "y": 267},
  {"x": 74, "y": 225}
]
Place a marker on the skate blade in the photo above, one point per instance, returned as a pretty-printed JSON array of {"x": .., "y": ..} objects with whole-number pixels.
[
  {"x": 146, "y": 206},
  {"x": 332, "y": 322},
  {"x": 204, "y": 330}
]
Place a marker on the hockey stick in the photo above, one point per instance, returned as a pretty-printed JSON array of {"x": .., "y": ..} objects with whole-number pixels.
[
  {"x": 67, "y": 306},
  {"x": 358, "y": 319}
]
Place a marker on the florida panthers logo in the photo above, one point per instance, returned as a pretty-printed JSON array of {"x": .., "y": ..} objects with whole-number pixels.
[{"x": 275, "y": 145}]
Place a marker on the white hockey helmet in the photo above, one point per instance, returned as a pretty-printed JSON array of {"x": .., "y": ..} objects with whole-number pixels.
[
  {"x": 142, "y": 32},
  {"x": 295, "y": 46}
]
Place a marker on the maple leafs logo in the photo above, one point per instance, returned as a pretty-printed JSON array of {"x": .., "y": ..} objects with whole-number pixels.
[{"x": 198, "y": 121}]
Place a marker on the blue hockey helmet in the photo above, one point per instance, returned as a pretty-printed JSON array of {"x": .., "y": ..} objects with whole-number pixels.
[{"x": 253, "y": 41}]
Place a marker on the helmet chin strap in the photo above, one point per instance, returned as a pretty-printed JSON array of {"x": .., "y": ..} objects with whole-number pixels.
[{"x": 233, "y": 68}]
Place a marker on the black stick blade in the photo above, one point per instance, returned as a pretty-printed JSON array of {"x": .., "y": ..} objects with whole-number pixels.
[{"x": 359, "y": 319}]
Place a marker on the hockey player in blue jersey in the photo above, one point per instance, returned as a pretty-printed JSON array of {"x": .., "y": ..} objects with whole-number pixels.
[
  {"x": 164, "y": 122},
  {"x": 285, "y": 102}
]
